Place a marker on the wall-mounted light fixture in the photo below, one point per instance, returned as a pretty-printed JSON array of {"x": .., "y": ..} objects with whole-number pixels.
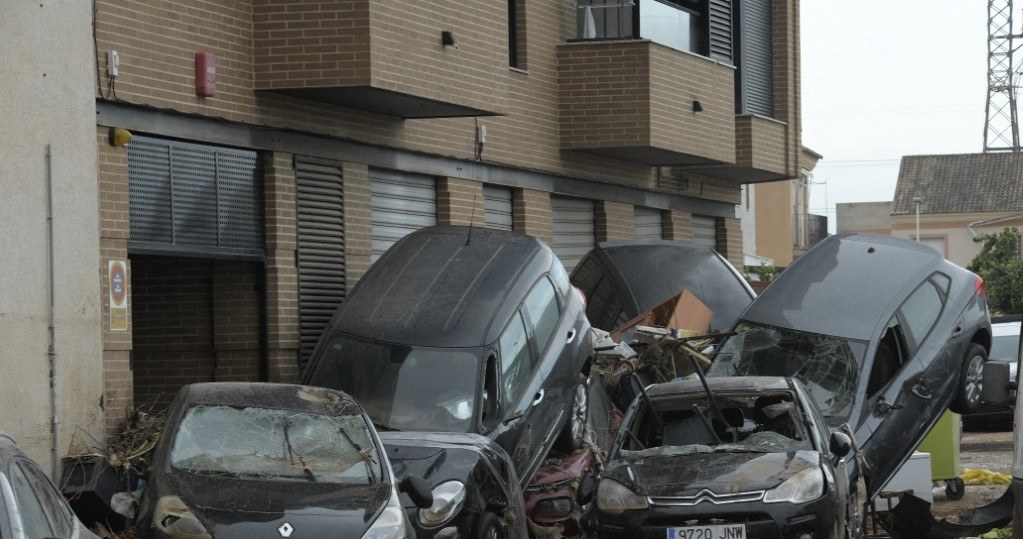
[
  {"x": 697, "y": 106},
  {"x": 448, "y": 39},
  {"x": 119, "y": 136}
]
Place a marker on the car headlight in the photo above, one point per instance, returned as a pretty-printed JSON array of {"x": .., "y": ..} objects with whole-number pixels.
[
  {"x": 805, "y": 486},
  {"x": 390, "y": 524},
  {"x": 448, "y": 498},
  {"x": 614, "y": 497},
  {"x": 554, "y": 508},
  {"x": 174, "y": 519}
]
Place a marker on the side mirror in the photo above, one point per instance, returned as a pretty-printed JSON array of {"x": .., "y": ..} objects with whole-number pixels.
[
  {"x": 840, "y": 444},
  {"x": 996, "y": 383},
  {"x": 418, "y": 490},
  {"x": 587, "y": 488}
]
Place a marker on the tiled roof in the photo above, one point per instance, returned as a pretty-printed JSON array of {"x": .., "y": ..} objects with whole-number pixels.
[{"x": 976, "y": 182}]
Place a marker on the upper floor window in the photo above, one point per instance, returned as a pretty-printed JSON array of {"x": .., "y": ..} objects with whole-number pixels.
[{"x": 699, "y": 26}]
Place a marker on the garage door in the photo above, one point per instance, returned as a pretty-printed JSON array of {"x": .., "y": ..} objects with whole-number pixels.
[
  {"x": 401, "y": 203},
  {"x": 705, "y": 231},
  {"x": 319, "y": 196},
  {"x": 497, "y": 207},
  {"x": 573, "y": 229},
  {"x": 649, "y": 224}
]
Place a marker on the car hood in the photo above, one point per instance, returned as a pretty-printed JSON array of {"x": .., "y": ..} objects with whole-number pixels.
[
  {"x": 663, "y": 473},
  {"x": 244, "y": 508}
]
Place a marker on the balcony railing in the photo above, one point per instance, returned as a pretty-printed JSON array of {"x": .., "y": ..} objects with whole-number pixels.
[{"x": 661, "y": 22}]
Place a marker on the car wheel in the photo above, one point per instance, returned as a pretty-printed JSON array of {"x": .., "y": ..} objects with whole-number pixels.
[
  {"x": 955, "y": 488},
  {"x": 971, "y": 381},
  {"x": 573, "y": 435},
  {"x": 489, "y": 527}
]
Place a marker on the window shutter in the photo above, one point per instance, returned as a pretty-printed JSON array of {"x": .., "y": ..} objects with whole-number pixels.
[
  {"x": 756, "y": 64},
  {"x": 720, "y": 20}
]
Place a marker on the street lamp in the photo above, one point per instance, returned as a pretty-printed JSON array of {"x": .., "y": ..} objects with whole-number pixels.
[{"x": 916, "y": 201}]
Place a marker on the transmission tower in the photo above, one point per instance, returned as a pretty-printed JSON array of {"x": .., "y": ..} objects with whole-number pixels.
[{"x": 1001, "y": 130}]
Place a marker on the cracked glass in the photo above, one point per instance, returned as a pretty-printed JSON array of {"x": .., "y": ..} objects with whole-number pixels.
[
  {"x": 276, "y": 444},
  {"x": 828, "y": 366}
]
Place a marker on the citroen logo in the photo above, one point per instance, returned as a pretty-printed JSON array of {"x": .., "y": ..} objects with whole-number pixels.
[{"x": 286, "y": 530}]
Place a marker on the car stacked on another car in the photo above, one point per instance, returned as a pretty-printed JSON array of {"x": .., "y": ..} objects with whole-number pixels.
[
  {"x": 742, "y": 458},
  {"x": 464, "y": 330},
  {"x": 245, "y": 460},
  {"x": 884, "y": 333}
]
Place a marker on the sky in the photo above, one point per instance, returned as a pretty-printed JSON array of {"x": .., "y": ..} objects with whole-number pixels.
[{"x": 887, "y": 78}]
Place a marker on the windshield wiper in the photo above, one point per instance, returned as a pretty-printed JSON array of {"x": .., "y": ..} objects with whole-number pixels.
[
  {"x": 367, "y": 456},
  {"x": 291, "y": 454},
  {"x": 385, "y": 428}
]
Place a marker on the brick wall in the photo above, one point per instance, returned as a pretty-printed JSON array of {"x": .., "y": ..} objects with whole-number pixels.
[
  {"x": 613, "y": 221},
  {"x": 112, "y": 175},
  {"x": 281, "y": 273},
  {"x": 459, "y": 202},
  {"x": 678, "y": 225},
  {"x": 730, "y": 240},
  {"x": 236, "y": 320},
  {"x": 531, "y": 214},
  {"x": 358, "y": 221}
]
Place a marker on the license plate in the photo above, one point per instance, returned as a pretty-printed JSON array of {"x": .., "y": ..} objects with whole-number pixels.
[{"x": 710, "y": 531}]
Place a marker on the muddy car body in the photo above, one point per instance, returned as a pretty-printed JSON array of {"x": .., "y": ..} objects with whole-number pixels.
[
  {"x": 622, "y": 279},
  {"x": 884, "y": 333},
  {"x": 30, "y": 505},
  {"x": 242, "y": 460},
  {"x": 751, "y": 458}
]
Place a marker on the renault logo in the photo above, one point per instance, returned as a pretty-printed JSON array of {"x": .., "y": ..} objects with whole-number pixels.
[{"x": 286, "y": 530}]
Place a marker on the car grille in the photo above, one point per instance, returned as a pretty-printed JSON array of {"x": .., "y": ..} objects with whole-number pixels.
[{"x": 706, "y": 496}]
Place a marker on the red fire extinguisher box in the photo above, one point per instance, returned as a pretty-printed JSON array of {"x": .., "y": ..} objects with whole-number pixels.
[{"x": 205, "y": 74}]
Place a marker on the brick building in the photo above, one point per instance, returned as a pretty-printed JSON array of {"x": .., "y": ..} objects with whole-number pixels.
[{"x": 281, "y": 145}]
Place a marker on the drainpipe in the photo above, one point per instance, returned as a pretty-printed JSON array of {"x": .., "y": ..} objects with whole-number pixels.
[{"x": 54, "y": 457}]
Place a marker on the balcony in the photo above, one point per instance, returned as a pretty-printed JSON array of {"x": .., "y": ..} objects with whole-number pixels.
[
  {"x": 374, "y": 56},
  {"x": 761, "y": 152}
]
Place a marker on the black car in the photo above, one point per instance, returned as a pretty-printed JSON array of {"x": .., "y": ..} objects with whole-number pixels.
[
  {"x": 247, "y": 460},
  {"x": 743, "y": 458},
  {"x": 465, "y": 330},
  {"x": 622, "y": 279},
  {"x": 30, "y": 505},
  {"x": 884, "y": 333}
]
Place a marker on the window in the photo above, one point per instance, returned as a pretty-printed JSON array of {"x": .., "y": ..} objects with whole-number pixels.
[
  {"x": 516, "y": 35},
  {"x": 921, "y": 311},
  {"x": 680, "y": 24},
  {"x": 699, "y": 26},
  {"x": 516, "y": 365},
  {"x": 561, "y": 282},
  {"x": 33, "y": 514},
  {"x": 541, "y": 307}
]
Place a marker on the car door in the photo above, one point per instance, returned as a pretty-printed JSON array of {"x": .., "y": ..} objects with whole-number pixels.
[{"x": 911, "y": 378}]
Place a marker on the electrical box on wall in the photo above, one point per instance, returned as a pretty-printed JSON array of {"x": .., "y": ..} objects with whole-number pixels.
[{"x": 205, "y": 74}]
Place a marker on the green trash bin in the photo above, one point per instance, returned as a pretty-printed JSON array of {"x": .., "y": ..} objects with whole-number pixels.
[{"x": 943, "y": 445}]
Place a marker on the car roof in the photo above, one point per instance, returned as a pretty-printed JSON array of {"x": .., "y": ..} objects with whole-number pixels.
[
  {"x": 266, "y": 395},
  {"x": 749, "y": 384},
  {"x": 656, "y": 270},
  {"x": 444, "y": 286},
  {"x": 846, "y": 284}
]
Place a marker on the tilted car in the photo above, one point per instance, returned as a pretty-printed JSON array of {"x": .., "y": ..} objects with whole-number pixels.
[
  {"x": 245, "y": 460},
  {"x": 465, "y": 330},
  {"x": 31, "y": 507},
  {"x": 750, "y": 458},
  {"x": 622, "y": 279},
  {"x": 884, "y": 333},
  {"x": 1004, "y": 344}
]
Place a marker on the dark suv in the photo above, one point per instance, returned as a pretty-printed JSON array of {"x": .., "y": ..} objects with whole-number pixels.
[{"x": 465, "y": 330}]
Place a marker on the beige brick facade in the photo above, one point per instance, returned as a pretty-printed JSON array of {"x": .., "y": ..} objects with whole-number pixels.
[
  {"x": 531, "y": 214},
  {"x": 614, "y": 221},
  {"x": 459, "y": 202},
  {"x": 678, "y": 226}
]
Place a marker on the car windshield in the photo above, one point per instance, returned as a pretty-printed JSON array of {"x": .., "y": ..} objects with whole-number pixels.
[
  {"x": 828, "y": 366},
  {"x": 1004, "y": 348},
  {"x": 403, "y": 387},
  {"x": 277, "y": 444},
  {"x": 687, "y": 425}
]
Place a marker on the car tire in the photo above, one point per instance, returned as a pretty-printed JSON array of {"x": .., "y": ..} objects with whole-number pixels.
[
  {"x": 971, "y": 381},
  {"x": 573, "y": 434},
  {"x": 489, "y": 527}
]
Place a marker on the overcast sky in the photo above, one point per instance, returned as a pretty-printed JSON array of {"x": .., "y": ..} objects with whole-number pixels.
[{"x": 887, "y": 78}]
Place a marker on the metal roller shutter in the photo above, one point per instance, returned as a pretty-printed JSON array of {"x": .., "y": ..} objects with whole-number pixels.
[
  {"x": 573, "y": 229},
  {"x": 319, "y": 201},
  {"x": 649, "y": 224},
  {"x": 497, "y": 207},
  {"x": 194, "y": 199},
  {"x": 401, "y": 203},
  {"x": 705, "y": 231},
  {"x": 721, "y": 30},
  {"x": 756, "y": 76}
]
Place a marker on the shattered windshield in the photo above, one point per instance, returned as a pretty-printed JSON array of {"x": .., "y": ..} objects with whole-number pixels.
[
  {"x": 828, "y": 366},
  {"x": 403, "y": 387},
  {"x": 765, "y": 423},
  {"x": 275, "y": 443}
]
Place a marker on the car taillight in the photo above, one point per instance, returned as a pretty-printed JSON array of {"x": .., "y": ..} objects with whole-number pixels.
[{"x": 978, "y": 287}]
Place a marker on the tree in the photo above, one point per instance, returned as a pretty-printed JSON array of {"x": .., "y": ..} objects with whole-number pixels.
[{"x": 1000, "y": 266}]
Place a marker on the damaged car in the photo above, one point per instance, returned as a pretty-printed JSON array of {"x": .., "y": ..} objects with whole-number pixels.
[
  {"x": 242, "y": 460},
  {"x": 622, "y": 279},
  {"x": 737, "y": 458},
  {"x": 884, "y": 333},
  {"x": 465, "y": 331}
]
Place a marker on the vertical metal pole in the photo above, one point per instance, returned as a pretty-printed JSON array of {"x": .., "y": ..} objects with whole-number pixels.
[
  {"x": 916, "y": 200},
  {"x": 54, "y": 455}
]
